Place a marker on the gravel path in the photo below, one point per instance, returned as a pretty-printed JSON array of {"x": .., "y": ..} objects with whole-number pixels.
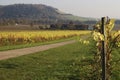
[{"x": 25, "y": 51}]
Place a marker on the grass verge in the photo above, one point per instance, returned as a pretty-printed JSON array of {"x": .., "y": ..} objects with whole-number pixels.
[{"x": 11, "y": 47}]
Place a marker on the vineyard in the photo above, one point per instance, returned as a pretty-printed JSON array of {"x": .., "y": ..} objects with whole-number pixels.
[
  {"x": 95, "y": 56},
  {"x": 24, "y": 37}
]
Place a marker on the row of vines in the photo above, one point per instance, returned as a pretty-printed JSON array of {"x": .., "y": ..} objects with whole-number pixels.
[
  {"x": 24, "y": 37},
  {"x": 106, "y": 41}
]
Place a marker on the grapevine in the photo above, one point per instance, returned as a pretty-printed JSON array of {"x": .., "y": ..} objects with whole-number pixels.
[
  {"x": 111, "y": 39},
  {"x": 26, "y": 37}
]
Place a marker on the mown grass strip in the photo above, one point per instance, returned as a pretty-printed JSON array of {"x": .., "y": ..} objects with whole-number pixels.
[{"x": 11, "y": 47}]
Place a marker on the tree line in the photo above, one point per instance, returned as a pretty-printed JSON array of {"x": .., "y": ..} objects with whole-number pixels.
[{"x": 48, "y": 24}]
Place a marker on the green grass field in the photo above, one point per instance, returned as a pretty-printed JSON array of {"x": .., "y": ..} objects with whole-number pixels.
[{"x": 69, "y": 62}]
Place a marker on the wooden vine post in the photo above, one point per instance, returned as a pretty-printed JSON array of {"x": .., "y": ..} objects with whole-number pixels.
[{"x": 103, "y": 52}]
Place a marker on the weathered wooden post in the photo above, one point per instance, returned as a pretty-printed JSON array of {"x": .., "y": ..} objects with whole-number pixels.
[{"x": 103, "y": 52}]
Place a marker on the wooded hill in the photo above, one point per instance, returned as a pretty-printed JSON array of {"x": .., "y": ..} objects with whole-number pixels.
[{"x": 35, "y": 12}]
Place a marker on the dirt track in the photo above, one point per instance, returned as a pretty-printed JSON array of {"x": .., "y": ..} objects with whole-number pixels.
[{"x": 25, "y": 51}]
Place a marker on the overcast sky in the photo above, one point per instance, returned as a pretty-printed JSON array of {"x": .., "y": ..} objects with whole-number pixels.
[{"x": 85, "y": 8}]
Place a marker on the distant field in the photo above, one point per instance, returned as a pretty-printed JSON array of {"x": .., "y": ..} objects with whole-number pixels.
[
  {"x": 25, "y": 37},
  {"x": 19, "y": 27},
  {"x": 117, "y": 27}
]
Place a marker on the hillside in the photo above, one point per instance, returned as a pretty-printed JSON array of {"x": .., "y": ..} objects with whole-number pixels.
[
  {"x": 35, "y": 11},
  {"x": 28, "y": 11}
]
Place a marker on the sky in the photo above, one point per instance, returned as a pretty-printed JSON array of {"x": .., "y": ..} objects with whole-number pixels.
[{"x": 84, "y": 8}]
